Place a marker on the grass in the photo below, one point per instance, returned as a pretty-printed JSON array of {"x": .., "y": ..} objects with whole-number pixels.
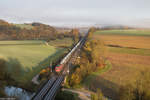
[
  {"x": 32, "y": 56},
  {"x": 65, "y": 42},
  {"x": 130, "y": 32},
  {"x": 27, "y": 55},
  {"x": 26, "y": 26},
  {"x": 45, "y": 63},
  {"x": 21, "y": 42}
]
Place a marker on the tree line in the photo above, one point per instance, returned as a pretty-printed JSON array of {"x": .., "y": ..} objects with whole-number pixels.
[
  {"x": 91, "y": 59},
  {"x": 38, "y": 31}
]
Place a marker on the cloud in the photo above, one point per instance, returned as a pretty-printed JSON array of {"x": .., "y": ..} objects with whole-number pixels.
[{"x": 75, "y": 11}]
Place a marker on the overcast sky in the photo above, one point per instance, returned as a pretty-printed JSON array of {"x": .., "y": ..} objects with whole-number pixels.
[{"x": 74, "y": 12}]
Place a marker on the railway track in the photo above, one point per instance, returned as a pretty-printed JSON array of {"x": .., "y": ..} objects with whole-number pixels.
[
  {"x": 40, "y": 95},
  {"x": 49, "y": 90}
]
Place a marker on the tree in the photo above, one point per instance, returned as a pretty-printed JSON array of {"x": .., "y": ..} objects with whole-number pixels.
[
  {"x": 94, "y": 96},
  {"x": 98, "y": 95},
  {"x": 3, "y": 77},
  {"x": 75, "y": 33},
  {"x": 2, "y": 69},
  {"x": 91, "y": 31},
  {"x": 38, "y": 31}
]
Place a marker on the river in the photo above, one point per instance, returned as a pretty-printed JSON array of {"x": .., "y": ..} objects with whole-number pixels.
[{"x": 18, "y": 92}]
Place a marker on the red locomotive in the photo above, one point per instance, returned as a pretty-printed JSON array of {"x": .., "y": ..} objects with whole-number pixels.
[{"x": 59, "y": 68}]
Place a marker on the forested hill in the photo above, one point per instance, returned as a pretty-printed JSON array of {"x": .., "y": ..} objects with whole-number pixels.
[{"x": 31, "y": 31}]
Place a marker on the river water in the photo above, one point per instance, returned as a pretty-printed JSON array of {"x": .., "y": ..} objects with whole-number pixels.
[{"x": 18, "y": 92}]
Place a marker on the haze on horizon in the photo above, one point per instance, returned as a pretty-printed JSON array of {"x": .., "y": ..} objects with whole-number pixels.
[{"x": 77, "y": 12}]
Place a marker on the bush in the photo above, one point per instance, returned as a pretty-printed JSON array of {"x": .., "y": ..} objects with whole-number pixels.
[{"x": 65, "y": 95}]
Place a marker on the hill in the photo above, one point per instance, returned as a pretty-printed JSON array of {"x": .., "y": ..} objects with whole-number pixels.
[{"x": 33, "y": 31}]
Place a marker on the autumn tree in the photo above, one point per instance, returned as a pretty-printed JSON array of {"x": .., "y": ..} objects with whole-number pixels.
[
  {"x": 91, "y": 60},
  {"x": 91, "y": 31},
  {"x": 98, "y": 95},
  {"x": 38, "y": 31},
  {"x": 75, "y": 33},
  {"x": 94, "y": 96},
  {"x": 95, "y": 51}
]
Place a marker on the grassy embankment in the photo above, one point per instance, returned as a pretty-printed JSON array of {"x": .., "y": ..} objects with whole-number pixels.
[
  {"x": 129, "y": 53},
  {"x": 30, "y": 56}
]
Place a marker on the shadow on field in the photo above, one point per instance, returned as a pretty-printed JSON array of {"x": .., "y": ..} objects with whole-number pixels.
[
  {"x": 45, "y": 63},
  {"x": 108, "y": 88},
  {"x": 118, "y": 46},
  {"x": 14, "y": 67}
]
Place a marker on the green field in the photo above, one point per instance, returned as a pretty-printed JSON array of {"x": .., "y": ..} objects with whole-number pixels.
[
  {"x": 31, "y": 56},
  {"x": 26, "y": 26},
  {"x": 21, "y": 42},
  {"x": 27, "y": 55},
  {"x": 130, "y": 32},
  {"x": 66, "y": 42}
]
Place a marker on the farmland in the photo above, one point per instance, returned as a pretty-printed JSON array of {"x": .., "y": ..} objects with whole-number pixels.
[
  {"x": 129, "y": 54},
  {"x": 126, "y": 41},
  {"x": 30, "y": 55},
  {"x": 129, "y": 32}
]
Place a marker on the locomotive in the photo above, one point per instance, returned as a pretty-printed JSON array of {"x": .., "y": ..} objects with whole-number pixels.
[{"x": 59, "y": 68}]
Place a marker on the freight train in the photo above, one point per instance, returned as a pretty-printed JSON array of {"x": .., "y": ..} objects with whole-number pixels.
[{"x": 59, "y": 68}]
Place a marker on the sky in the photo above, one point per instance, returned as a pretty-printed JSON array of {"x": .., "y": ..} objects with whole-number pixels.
[{"x": 77, "y": 12}]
